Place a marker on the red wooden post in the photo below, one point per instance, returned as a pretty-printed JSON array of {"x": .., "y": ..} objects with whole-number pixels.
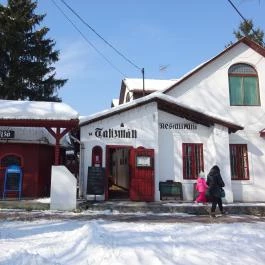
[{"x": 57, "y": 147}]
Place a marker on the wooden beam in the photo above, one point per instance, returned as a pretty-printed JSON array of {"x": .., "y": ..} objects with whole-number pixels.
[{"x": 39, "y": 123}]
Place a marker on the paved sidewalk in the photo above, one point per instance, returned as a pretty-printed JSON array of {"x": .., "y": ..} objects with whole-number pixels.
[
  {"x": 23, "y": 215},
  {"x": 256, "y": 209},
  {"x": 163, "y": 211},
  {"x": 127, "y": 211}
]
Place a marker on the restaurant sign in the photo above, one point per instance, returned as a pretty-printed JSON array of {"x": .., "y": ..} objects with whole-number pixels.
[
  {"x": 177, "y": 126},
  {"x": 113, "y": 133},
  {"x": 7, "y": 134}
]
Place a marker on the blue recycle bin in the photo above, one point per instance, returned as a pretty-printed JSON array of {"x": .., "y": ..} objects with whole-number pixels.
[{"x": 13, "y": 180}]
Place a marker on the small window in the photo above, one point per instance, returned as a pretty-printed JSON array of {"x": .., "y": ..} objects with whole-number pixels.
[
  {"x": 10, "y": 160},
  {"x": 239, "y": 162},
  {"x": 96, "y": 156},
  {"x": 243, "y": 85},
  {"x": 192, "y": 160}
]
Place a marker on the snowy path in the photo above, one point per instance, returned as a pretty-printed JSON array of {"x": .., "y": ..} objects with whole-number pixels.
[{"x": 103, "y": 242}]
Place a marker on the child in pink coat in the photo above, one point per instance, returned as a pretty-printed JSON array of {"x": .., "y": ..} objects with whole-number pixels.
[{"x": 201, "y": 187}]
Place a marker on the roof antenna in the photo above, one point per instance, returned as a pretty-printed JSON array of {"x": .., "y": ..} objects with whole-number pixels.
[
  {"x": 143, "y": 82},
  {"x": 163, "y": 68}
]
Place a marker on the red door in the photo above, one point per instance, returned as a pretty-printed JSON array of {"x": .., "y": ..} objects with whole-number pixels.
[{"x": 142, "y": 174}]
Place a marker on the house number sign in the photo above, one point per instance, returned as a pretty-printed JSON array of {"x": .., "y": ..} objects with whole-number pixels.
[{"x": 7, "y": 134}]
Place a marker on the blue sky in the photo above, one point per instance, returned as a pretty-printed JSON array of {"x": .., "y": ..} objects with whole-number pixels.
[{"x": 178, "y": 33}]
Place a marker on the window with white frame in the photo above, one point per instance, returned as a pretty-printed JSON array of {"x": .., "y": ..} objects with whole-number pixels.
[
  {"x": 239, "y": 162},
  {"x": 192, "y": 160},
  {"x": 243, "y": 85}
]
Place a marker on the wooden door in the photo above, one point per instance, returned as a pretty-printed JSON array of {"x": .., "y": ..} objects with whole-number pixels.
[{"x": 142, "y": 174}]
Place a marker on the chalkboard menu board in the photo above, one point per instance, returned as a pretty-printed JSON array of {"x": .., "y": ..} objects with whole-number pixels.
[{"x": 96, "y": 180}]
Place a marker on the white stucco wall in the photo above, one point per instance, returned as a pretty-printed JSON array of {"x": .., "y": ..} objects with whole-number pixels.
[
  {"x": 215, "y": 142},
  {"x": 142, "y": 119},
  {"x": 208, "y": 89}
]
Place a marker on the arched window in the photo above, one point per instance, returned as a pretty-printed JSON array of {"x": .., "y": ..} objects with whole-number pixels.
[
  {"x": 97, "y": 156},
  {"x": 9, "y": 160},
  {"x": 243, "y": 85}
]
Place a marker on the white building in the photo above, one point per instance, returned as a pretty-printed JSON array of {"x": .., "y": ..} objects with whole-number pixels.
[{"x": 213, "y": 115}]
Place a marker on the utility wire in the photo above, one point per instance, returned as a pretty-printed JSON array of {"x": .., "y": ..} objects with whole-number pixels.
[
  {"x": 254, "y": 31},
  {"x": 109, "y": 44},
  {"x": 85, "y": 38}
]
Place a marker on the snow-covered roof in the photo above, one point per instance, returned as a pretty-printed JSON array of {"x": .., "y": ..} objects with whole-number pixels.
[
  {"x": 164, "y": 98},
  {"x": 114, "y": 102},
  {"x": 149, "y": 84},
  {"x": 37, "y": 110}
]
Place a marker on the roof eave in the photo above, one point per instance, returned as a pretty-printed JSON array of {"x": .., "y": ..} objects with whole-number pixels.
[
  {"x": 259, "y": 49},
  {"x": 174, "y": 109},
  {"x": 71, "y": 123}
]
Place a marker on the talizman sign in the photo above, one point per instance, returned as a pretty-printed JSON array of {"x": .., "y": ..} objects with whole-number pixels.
[{"x": 113, "y": 133}]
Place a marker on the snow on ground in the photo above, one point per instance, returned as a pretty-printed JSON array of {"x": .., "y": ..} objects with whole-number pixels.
[{"x": 101, "y": 242}]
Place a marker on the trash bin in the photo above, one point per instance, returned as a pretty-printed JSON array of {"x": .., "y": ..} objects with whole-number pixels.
[{"x": 170, "y": 190}]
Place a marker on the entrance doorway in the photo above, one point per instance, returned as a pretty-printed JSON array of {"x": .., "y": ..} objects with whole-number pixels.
[
  {"x": 130, "y": 173},
  {"x": 118, "y": 172}
]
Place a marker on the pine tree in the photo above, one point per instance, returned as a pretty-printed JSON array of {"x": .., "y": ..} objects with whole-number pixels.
[
  {"x": 246, "y": 29},
  {"x": 26, "y": 55}
]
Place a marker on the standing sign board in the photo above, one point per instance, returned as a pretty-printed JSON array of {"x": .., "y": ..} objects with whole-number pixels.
[
  {"x": 13, "y": 180},
  {"x": 96, "y": 181}
]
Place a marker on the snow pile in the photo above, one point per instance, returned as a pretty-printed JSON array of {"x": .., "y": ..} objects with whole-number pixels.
[
  {"x": 104, "y": 242},
  {"x": 16, "y": 109}
]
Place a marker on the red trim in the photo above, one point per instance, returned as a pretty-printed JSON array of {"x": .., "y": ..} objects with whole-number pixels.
[
  {"x": 39, "y": 123},
  {"x": 239, "y": 162},
  {"x": 67, "y": 125},
  {"x": 12, "y": 154},
  {"x": 57, "y": 135},
  {"x": 172, "y": 108},
  {"x": 97, "y": 156},
  {"x": 242, "y": 75},
  {"x": 142, "y": 178},
  {"x": 196, "y": 165}
]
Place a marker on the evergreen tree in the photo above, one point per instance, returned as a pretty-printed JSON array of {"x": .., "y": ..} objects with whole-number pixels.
[
  {"x": 246, "y": 29},
  {"x": 26, "y": 55}
]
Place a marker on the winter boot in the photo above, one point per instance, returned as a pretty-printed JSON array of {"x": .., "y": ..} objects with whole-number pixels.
[{"x": 212, "y": 214}]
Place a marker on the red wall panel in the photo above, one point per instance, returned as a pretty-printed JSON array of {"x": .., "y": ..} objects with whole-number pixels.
[{"x": 36, "y": 165}]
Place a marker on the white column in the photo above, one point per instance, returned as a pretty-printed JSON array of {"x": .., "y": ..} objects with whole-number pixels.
[{"x": 222, "y": 158}]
